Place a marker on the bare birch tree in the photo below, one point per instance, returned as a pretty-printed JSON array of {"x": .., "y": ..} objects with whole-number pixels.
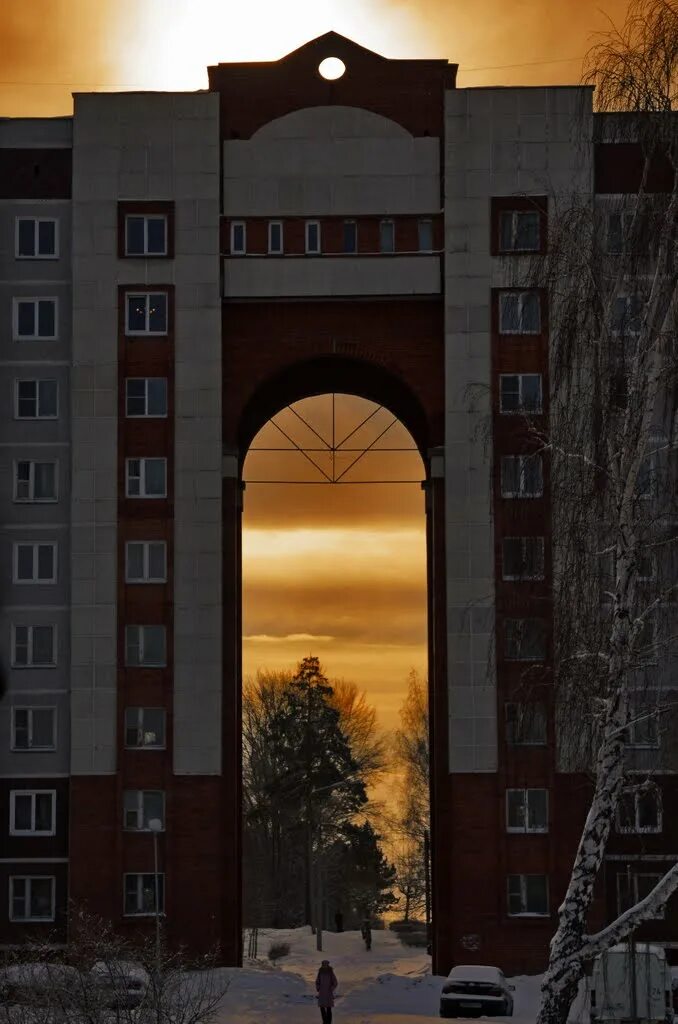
[{"x": 611, "y": 274}]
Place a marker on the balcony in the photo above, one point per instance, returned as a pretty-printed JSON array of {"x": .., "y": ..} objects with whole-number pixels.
[{"x": 277, "y": 277}]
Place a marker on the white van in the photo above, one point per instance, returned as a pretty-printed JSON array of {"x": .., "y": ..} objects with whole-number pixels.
[{"x": 632, "y": 982}]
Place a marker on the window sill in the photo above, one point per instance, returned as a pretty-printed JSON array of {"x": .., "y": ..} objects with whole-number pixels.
[
  {"x": 37, "y": 257},
  {"x": 19, "y": 668},
  {"x": 32, "y": 920}
]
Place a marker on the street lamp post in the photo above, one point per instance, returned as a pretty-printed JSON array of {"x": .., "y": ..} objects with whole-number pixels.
[{"x": 155, "y": 825}]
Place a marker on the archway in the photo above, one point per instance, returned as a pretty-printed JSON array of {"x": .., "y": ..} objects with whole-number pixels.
[
  {"x": 393, "y": 358},
  {"x": 334, "y": 566}
]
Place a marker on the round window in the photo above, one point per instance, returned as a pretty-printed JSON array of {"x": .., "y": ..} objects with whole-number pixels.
[{"x": 331, "y": 68}]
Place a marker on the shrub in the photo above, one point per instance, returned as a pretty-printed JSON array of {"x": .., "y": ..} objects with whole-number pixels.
[
  {"x": 278, "y": 950},
  {"x": 414, "y": 939}
]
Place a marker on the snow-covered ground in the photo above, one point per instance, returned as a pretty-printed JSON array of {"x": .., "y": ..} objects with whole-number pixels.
[{"x": 389, "y": 985}]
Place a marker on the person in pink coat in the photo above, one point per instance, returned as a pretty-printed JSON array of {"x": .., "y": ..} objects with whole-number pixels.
[{"x": 325, "y": 984}]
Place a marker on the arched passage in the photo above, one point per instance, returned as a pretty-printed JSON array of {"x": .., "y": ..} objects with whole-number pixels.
[{"x": 377, "y": 382}]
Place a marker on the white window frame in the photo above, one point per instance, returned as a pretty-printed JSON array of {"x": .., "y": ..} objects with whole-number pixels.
[
  {"x": 37, "y": 381},
  {"x": 628, "y": 300},
  {"x": 36, "y": 236},
  {"x": 33, "y": 793},
  {"x": 35, "y": 581},
  {"x": 145, "y": 254},
  {"x": 141, "y": 643},
  {"x": 140, "y": 875},
  {"x": 522, "y": 577},
  {"x": 17, "y": 300},
  {"x": 515, "y": 214},
  {"x": 142, "y": 460},
  {"x": 28, "y": 880},
  {"x": 30, "y": 709},
  {"x": 307, "y": 226},
  {"x": 271, "y": 225},
  {"x": 420, "y": 221},
  {"x": 532, "y": 659},
  {"x": 146, "y": 415},
  {"x": 383, "y": 223},
  {"x": 31, "y": 499},
  {"x": 522, "y": 493},
  {"x": 521, "y": 410},
  {"x": 234, "y": 249},
  {"x": 523, "y": 895},
  {"x": 660, "y": 915},
  {"x": 139, "y": 810},
  {"x": 650, "y": 716},
  {"x": 521, "y": 302},
  {"x": 638, "y": 792},
  {"x": 146, "y": 578},
  {"x": 30, "y": 628},
  {"x": 139, "y": 726},
  {"x": 146, "y": 332},
  {"x": 524, "y": 743},
  {"x": 526, "y": 830}
]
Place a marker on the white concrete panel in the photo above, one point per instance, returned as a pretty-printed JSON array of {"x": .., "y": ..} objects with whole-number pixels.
[
  {"x": 136, "y": 147},
  {"x": 331, "y": 161},
  {"x": 498, "y": 142},
  {"x": 258, "y": 277}
]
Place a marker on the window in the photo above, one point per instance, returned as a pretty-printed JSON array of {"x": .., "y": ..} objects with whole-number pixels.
[
  {"x": 519, "y": 313},
  {"x": 520, "y": 392},
  {"x": 145, "y": 313},
  {"x": 238, "y": 238},
  {"x": 519, "y": 231},
  {"x": 141, "y": 806},
  {"x": 525, "y": 725},
  {"x": 146, "y": 561},
  {"x": 528, "y": 896},
  {"x": 524, "y": 639},
  {"x": 350, "y": 236},
  {"x": 34, "y": 319},
  {"x": 33, "y": 729},
  {"x": 647, "y": 480},
  {"x": 313, "y": 236},
  {"x": 35, "y": 481},
  {"x": 523, "y": 558},
  {"x": 425, "y": 233},
  {"x": 275, "y": 237},
  {"x": 633, "y": 887},
  {"x": 627, "y": 314},
  {"x": 647, "y": 566},
  {"x": 387, "y": 236},
  {"x": 36, "y": 238},
  {"x": 32, "y": 812},
  {"x": 527, "y": 810},
  {"x": 146, "y": 396},
  {"x": 145, "y": 728},
  {"x": 140, "y": 895},
  {"x": 36, "y": 399},
  {"x": 629, "y": 231},
  {"x": 145, "y": 646},
  {"x": 521, "y": 476},
  {"x": 639, "y": 810},
  {"x": 31, "y": 899},
  {"x": 644, "y": 728},
  {"x": 146, "y": 235},
  {"x": 33, "y": 646},
  {"x": 35, "y": 563},
  {"x": 146, "y": 478}
]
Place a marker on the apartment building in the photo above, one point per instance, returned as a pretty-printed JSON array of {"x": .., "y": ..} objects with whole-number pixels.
[{"x": 175, "y": 268}]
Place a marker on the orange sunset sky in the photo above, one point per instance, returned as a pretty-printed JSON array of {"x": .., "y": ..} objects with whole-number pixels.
[{"x": 334, "y": 571}]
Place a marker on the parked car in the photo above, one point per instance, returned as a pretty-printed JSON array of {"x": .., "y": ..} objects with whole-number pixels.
[
  {"x": 37, "y": 984},
  {"x": 632, "y": 983},
  {"x": 120, "y": 982},
  {"x": 472, "y": 990}
]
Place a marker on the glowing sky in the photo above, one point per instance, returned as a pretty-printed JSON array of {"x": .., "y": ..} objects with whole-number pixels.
[
  {"x": 49, "y": 48},
  {"x": 335, "y": 571}
]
